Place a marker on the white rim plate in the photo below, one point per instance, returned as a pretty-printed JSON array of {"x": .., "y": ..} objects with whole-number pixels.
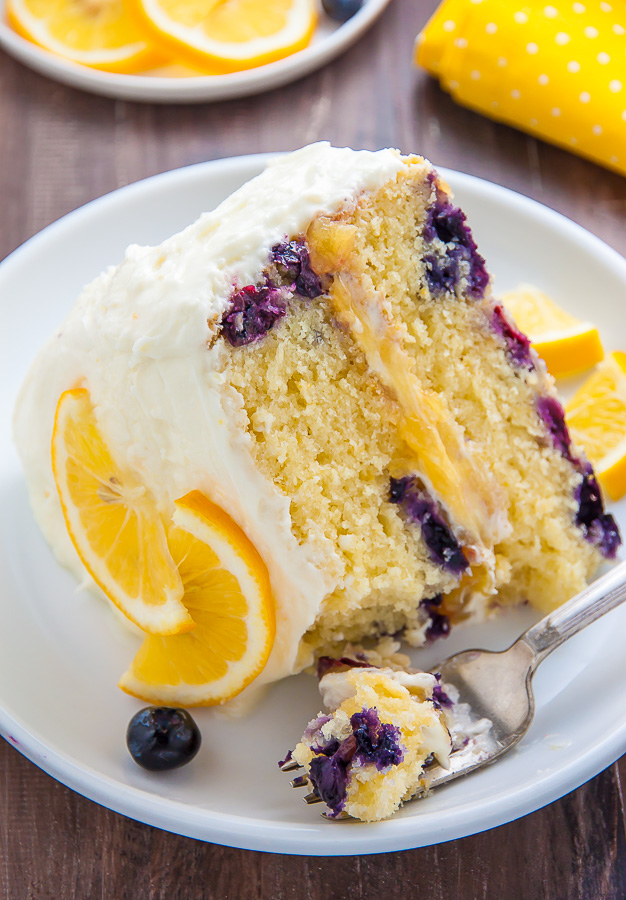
[
  {"x": 61, "y": 651},
  {"x": 331, "y": 39}
]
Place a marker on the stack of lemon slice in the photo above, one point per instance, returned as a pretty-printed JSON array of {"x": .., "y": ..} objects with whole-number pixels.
[
  {"x": 213, "y": 36},
  {"x": 191, "y": 580}
]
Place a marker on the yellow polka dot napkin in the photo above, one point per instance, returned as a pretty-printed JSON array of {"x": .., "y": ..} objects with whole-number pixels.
[{"x": 557, "y": 71}]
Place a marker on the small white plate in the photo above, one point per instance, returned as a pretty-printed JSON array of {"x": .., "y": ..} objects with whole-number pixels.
[
  {"x": 330, "y": 39},
  {"x": 61, "y": 651}
]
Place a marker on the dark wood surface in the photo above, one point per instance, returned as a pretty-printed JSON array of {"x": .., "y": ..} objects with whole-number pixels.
[{"x": 60, "y": 148}]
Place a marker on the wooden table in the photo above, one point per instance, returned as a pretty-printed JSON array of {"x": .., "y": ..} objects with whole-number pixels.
[{"x": 60, "y": 148}]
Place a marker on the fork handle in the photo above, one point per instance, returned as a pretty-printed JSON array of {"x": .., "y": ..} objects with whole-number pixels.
[{"x": 597, "y": 599}]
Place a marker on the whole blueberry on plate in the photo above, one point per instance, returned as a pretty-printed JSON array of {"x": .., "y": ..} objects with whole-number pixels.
[
  {"x": 342, "y": 10},
  {"x": 160, "y": 738}
]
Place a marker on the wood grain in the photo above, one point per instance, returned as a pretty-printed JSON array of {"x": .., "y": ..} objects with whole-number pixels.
[{"x": 60, "y": 148}]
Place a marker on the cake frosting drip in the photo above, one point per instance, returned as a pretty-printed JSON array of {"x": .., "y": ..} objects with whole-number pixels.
[{"x": 142, "y": 339}]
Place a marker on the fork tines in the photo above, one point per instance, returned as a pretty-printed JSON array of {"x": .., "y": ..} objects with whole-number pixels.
[
  {"x": 311, "y": 798},
  {"x": 289, "y": 765},
  {"x": 300, "y": 781}
]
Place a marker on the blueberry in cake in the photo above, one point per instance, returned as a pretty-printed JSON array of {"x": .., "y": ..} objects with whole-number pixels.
[{"x": 322, "y": 357}]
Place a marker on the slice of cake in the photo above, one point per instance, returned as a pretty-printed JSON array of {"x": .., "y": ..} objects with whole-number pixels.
[
  {"x": 321, "y": 357},
  {"x": 384, "y": 727}
]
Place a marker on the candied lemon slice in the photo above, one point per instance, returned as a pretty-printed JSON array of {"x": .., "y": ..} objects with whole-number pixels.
[
  {"x": 114, "y": 523},
  {"x": 567, "y": 345},
  {"x": 96, "y": 33},
  {"x": 227, "y": 592},
  {"x": 231, "y": 34},
  {"x": 596, "y": 416}
]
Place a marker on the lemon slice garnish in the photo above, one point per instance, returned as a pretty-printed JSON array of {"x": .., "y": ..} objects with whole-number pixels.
[
  {"x": 97, "y": 33},
  {"x": 227, "y": 592},
  {"x": 596, "y": 416},
  {"x": 230, "y": 34},
  {"x": 114, "y": 522},
  {"x": 567, "y": 345}
]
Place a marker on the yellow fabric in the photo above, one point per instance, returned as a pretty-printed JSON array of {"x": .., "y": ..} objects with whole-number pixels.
[{"x": 556, "y": 69}]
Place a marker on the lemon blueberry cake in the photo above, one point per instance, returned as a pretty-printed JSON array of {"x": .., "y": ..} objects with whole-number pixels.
[
  {"x": 384, "y": 728},
  {"x": 313, "y": 387}
]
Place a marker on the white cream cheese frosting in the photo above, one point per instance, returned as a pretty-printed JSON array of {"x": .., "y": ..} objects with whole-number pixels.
[
  {"x": 335, "y": 688},
  {"x": 141, "y": 339}
]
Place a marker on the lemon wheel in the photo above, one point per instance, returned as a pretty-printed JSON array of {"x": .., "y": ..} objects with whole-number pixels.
[
  {"x": 101, "y": 34},
  {"x": 567, "y": 345},
  {"x": 229, "y": 34},
  {"x": 114, "y": 523},
  {"x": 596, "y": 417},
  {"x": 227, "y": 592}
]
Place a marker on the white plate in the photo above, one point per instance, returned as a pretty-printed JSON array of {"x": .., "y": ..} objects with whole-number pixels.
[
  {"x": 61, "y": 651},
  {"x": 330, "y": 39}
]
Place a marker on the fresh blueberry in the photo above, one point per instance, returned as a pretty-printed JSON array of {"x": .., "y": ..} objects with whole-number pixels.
[
  {"x": 342, "y": 10},
  {"x": 159, "y": 738}
]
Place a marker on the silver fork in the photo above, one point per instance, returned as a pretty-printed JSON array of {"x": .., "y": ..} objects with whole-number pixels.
[{"x": 498, "y": 685}]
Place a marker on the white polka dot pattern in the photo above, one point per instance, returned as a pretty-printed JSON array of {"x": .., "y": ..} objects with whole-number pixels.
[{"x": 557, "y": 70}]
